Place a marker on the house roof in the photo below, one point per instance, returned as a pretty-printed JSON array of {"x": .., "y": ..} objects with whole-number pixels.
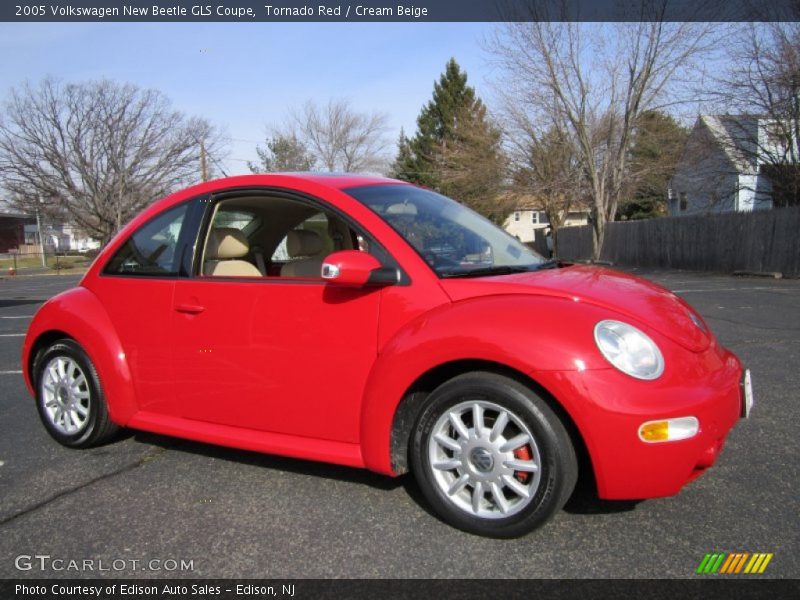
[
  {"x": 521, "y": 200},
  {"x": 15, "y": 215},
  {"x": 737, "y": 135}
]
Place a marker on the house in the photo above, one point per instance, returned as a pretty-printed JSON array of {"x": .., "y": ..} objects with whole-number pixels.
[
  {"x": 59, "y": 237},
  {"x": 525, "y": 223},
  {"x": 723, "y": 166},
  {"x": 12, "y": 230},
  {"x": 528, "y": 222},
  {"x": 20, "y": 232}
]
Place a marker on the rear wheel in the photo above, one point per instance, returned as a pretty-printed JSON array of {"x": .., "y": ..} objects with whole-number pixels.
[
  {"x": 491, "y": 456},
  {"x": 69, "y": 396}
]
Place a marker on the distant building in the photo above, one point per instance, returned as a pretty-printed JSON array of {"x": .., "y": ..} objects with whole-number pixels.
[
  {"x": 528, "y": 222},
  {"x": 722, "y": 168},
  {"x": 59, "y": 237},
  {"x": 12, "y": 230},
  {"x": 20, "y": 232}
]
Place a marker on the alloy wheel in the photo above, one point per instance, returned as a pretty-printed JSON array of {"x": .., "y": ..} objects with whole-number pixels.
[{"x": 484, "y": 459}]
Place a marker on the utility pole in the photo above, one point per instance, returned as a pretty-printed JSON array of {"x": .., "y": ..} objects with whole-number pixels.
[
  {"x": 203, "y": 169},
  {"x": 41, "y": 238}
]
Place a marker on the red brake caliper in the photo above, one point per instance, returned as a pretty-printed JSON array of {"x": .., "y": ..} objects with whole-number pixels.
[{"x": 523, "y": 453}]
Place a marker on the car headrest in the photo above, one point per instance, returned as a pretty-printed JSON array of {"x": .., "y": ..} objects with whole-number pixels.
[
  {"x": 404, "y": 208},
  {"x": 225, "y": 243},
  {"x": 302, "y": 242}
]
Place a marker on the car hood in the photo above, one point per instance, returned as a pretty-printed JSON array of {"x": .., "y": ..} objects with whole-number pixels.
[{"x": 641, "y": 300}]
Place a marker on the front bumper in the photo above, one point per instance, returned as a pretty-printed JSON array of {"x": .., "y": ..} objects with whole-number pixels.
[{"x": 608, "y": 408}]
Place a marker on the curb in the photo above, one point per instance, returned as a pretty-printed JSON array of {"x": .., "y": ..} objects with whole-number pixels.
[{"x": 770, "y": 274}]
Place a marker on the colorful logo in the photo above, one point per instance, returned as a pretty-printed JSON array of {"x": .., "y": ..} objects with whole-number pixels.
[{"x": 733, "y": 563}]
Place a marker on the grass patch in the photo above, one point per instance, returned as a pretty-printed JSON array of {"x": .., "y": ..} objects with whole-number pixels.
[{"x": 35, "y": 262}]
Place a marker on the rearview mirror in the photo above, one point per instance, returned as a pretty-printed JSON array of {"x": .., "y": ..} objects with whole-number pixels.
[{"x": 356, "y": 268}]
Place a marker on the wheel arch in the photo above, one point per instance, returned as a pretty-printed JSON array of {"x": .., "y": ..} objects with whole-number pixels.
[
  {"x": 414, "y": 400},
  {"x": 78, "y": 315},
  {"x": 492, "y": 333},
  {"x": 39, "y": 344}
]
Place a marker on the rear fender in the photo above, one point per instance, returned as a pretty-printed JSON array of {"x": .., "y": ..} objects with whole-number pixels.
[{"x": 78, "y": 314}]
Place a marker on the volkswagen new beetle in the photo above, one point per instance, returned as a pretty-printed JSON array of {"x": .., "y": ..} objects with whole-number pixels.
[{"x": 368, "y": 322}]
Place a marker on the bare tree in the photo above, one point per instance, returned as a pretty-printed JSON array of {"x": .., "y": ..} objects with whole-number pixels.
[
  {"x": 341, "y": 138},
  {"x": 762, "y": 90},
  {"x": 594, "y": 81},
  {"x": 96, "y": 152},
  {"x": 545, "y": 167}
]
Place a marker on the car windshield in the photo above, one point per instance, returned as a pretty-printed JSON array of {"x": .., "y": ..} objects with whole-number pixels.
[{"x": 453, "y": 240}]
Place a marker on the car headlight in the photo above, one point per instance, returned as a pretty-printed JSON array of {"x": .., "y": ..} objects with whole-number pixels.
[{"x": 629, "y": 350}]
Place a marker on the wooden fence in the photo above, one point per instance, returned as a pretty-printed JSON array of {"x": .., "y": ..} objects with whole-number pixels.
[{"x": 767, "y": 240}]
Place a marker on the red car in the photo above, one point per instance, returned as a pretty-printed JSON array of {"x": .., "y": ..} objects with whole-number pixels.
[{"x": 368, "y": 322}]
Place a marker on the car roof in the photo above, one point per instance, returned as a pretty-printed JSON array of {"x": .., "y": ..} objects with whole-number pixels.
[
  {"x": 342, "y": 180},
  {"x": 337, "y": 181}
]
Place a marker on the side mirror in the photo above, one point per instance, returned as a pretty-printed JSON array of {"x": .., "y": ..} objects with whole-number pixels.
[{"x": 355, "y": 268}]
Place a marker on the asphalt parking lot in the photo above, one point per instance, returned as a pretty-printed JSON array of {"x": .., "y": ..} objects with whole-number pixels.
[{"x": 240, "y": 514}]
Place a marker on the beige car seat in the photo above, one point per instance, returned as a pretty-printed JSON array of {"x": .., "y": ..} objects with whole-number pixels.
[
  {"x": 306, "y": 254},
  {"x": 224, "y": 251}
]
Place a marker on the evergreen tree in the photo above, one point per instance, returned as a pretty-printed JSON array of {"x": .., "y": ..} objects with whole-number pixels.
[
  {"x": 283, "y": 153},
  {"x": 456, "y": 149},
  {"x": 403, "y": 167},
  {"x": 657, "y": 146}
]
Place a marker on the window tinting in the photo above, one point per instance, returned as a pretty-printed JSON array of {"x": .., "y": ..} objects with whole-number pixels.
[{"x": 151, "y": 250}]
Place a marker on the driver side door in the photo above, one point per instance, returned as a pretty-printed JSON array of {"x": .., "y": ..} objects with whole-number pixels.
[{"x": 287, "y": 355}]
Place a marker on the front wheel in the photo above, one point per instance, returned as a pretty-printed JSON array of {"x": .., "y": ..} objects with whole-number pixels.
[
  {"x": 491, "y": 456},
  {"x": 69, "y": 397}
]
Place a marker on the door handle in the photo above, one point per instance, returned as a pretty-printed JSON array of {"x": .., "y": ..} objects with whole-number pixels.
[{"x": 192, "y": 309}]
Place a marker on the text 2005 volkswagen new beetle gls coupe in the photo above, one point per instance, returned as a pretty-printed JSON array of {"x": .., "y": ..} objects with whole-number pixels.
[{"x": 371, "y": 323}]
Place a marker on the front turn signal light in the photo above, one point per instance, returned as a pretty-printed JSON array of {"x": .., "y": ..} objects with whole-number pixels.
[{"x": 669, "y": 430}]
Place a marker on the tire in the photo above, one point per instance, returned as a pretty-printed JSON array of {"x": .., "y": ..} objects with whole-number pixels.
[
  {"x": 507, "y": 476},
  {"x": 69, "y": 397}
]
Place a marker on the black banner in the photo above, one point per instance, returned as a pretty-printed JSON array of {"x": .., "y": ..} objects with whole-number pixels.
[
  {"x": 249, "y": 11},
  {"x": 301, "y": 589}
]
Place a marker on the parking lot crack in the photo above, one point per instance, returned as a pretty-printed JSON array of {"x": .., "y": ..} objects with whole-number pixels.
[{"x": 147, "y": 458}]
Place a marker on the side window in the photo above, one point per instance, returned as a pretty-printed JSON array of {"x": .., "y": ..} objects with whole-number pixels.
[
  {"x": 244, "y": 221},
  {"x": 151, "y": 250},
  {"x": 261, "y": 235},
  {"x": 317, "y": 223}
]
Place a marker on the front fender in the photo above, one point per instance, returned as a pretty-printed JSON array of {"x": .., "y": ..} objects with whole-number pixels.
[
  {"x": 78, "y": 314},
  {"x": 522, "y": 332}
]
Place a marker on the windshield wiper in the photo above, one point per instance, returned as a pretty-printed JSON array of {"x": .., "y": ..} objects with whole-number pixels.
[
  {"x": 548, "y": 264},
  {"x": 502, "y": 270},
  {"x": 498, "y": 270}
]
